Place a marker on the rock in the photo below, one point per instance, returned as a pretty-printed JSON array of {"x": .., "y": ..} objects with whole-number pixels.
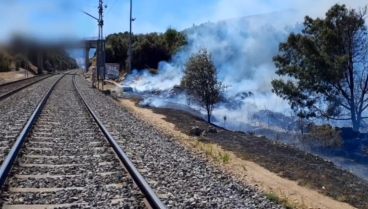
[
  {"x": 348, "y": 132},
  {"x": 163, "y": 196},
  {"x": 212, "y": 129},
  {"x": 106, "y": 92},
  {"x": 127, "y": 89},
  {"x": 176, "y": 90},
  {"x": 196, "y": 131}
]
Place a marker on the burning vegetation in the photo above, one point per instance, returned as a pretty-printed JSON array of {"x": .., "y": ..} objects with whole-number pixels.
[
  {"x": 321, "y": 80},
  {"x": 200, "y": 81}
]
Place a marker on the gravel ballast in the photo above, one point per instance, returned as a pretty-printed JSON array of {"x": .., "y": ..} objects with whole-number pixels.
[
  {"x": 19, "y": 84},
  {"x": 16, "y": 109},
  {"x": 67, "y": 160},
  {"x": 180, "y": 178}
]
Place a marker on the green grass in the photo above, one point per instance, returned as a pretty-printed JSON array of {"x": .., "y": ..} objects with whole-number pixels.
[
  {"x": 226, "y": 158},
  {"x": 284, "y": 202}
]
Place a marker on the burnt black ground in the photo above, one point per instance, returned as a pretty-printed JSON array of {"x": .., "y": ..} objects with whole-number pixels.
[{"x": 286, "y": 161}]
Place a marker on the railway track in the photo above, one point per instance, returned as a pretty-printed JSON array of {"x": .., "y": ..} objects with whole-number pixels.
[
  {"x": 65, "y": 158},
  {"x": 10, "y": 88}
]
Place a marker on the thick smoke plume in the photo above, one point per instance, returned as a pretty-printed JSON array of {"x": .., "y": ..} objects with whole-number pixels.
[{"x": 242, "y": 50}]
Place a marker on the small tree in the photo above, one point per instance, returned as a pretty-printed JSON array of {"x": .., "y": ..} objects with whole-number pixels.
[
  {"x": 200, "y": 80},
  {"x": 18, "y": 61}
]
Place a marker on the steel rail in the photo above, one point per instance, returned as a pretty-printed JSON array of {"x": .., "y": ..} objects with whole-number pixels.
[
  {"x": 3, "y": 96},
  {"x": 147, "y": 191},
  {"x": 13, "y": 153},
  {"x": 12, "y": 82}
]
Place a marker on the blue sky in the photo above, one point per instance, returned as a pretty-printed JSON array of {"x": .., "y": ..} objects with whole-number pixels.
[
  {"x": 60, "y": 18},
  {"x": 54, "y": 17}
]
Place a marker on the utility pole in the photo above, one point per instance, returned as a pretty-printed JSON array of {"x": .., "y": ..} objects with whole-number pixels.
[
  {"x": 100, "y": 24},
  {"x": 100, "y": 47},
  {"x": 130, "y": 37},
  {"x": 25, "y": 62},
  {"x": 100, "y": 72}
]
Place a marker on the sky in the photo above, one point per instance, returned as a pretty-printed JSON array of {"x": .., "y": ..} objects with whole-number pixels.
[
  {"x": 55, "y": 19},
  {"x": 60, "y": 18},
  {"x": 63, "y": 18}
]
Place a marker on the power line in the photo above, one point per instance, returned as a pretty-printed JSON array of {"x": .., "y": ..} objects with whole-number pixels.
[{"x": 111, "y": 7}]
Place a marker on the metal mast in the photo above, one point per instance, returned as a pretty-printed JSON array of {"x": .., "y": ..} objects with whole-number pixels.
[
  {"x": 100, "y": 20},
  {"x": 100, "y": 47},
  {"x": 130, "y": 38}
]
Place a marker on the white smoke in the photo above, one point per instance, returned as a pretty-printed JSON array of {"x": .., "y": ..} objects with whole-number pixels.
[{"x": 242, "y": 50}]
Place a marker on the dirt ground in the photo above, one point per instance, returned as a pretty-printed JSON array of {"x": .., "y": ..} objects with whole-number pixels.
[
  {"x": 302, "y": 179},
  {"x": 13, "y": 76}
]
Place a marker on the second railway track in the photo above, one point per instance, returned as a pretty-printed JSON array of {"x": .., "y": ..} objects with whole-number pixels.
[
  {"x": 10, "y": 88},
  {"x": 68, "y": 160}
]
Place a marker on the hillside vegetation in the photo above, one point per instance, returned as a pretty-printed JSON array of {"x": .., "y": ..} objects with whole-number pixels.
[{"x": 148, "y": 49}]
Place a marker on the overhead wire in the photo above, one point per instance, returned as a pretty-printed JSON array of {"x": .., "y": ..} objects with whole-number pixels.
[{"x": 111, "y": 7}]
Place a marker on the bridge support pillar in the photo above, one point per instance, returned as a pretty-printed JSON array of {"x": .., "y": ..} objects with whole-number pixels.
[
  {"x": 86, "y": 61},
  {"x": 39, "y": 63}
]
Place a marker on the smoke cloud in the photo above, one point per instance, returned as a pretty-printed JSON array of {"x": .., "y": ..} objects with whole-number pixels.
[{"x": 242, "y": 50}]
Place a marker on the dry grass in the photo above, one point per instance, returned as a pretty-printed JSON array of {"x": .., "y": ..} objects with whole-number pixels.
[
  {"x": 282, "y": 201},
  {"x": 212, "y": 151}
]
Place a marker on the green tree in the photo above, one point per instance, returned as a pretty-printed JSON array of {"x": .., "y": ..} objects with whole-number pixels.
[
  {"x": 19, "y": 59},
  {"x": 148, "y": 51},
  {"x": 174, "y": 39},
  {"x": 170, "y": 36},
  {"x": 327, "y": 64},
  {"x": 200, "y": 80},
  {"x": 4, "y": 63}
]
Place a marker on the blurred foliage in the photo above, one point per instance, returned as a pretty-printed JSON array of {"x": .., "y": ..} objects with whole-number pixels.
[
  {"x": 147, "y": 49},
  {"x": 54, "y": 58},
  {"x": 58, "y": 60},
  {"x": 4, "y": 63}
]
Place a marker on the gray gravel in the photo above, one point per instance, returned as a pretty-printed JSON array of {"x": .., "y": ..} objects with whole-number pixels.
[
  {"x": 15, "y": 111},
  {"x": 66, "y": 144},
  {"x": 13, "y": 86},
  {"x": 181, "y": 179}
]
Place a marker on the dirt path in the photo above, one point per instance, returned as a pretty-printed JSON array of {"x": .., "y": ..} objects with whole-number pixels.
[
  {"x": 13, "y": 76},
  {"x": 248, "y": 171}
]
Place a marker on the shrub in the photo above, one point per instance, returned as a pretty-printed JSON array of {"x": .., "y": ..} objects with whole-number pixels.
[
  {"x": 328, "y": 135},
  {"x": 226, "y": 158},
  {"x": 4, "y": 66}
]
